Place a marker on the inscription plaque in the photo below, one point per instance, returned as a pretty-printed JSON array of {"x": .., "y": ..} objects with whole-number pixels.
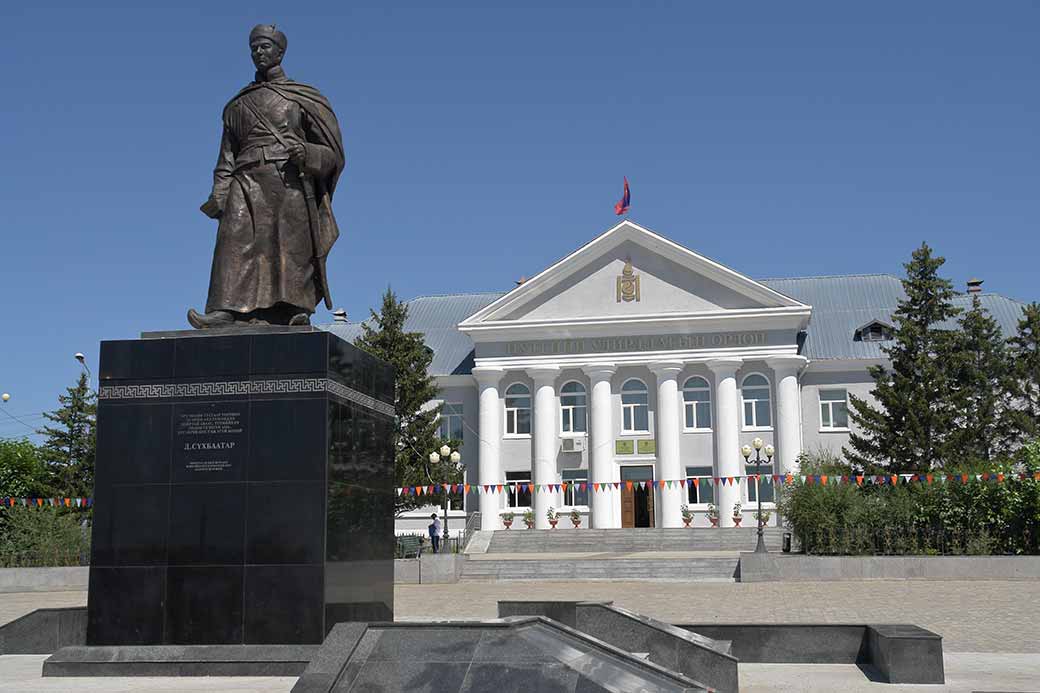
[{"x": 210, "y": 441}]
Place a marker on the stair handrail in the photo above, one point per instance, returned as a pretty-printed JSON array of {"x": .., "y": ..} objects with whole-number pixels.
[{"x": 472, "y": 527}]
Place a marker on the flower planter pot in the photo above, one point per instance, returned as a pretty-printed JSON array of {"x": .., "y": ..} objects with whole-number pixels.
[
  {"x": 507, "y": 523},
  {"x": 530, "y": 525},
  {"x": 576, "y": 523},
  {"x": 686, "y": 521},
  {"x": 553, "y": 523},
  {"x": 736, "y": 521},
  {"x": 714, "y": 521}
]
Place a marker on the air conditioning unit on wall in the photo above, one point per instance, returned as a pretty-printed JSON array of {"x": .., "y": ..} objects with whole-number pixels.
[{"x": 573, "y": 444}]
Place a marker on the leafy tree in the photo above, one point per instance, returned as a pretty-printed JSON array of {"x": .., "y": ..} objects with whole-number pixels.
[
  {"x": 22, "y": 472},
  {"x": 913, "y": 428},
  {"x": 383, "y": 335},
  {"x": 1025, "y": 352},
  {"x": 69, "y": 449},
  {"x": 983, "y": 372}
]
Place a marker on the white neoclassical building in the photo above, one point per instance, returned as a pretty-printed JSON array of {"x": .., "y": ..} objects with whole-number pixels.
[{"x": 635, "y": 359}]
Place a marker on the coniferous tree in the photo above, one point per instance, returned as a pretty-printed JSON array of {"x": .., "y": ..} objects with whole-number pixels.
[
  {"x": 1025, "y": 353},
  {"x": 69, "y": 446},
  {"x": 912, "y": 429},
  {"x": 383, "y": 335},
  {"x": 983, "y": 387}
]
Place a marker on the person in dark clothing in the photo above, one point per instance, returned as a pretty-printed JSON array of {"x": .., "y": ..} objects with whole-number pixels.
[{"x": 435, "y": 533}]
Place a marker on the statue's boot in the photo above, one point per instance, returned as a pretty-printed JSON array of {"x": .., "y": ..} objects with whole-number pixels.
[
  {"x": 300, "y": 319},
  {"x": 214, "y": 318}
]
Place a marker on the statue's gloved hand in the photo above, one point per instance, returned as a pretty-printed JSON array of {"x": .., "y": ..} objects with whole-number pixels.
[
  {"x": 297, "y": 153},
  {"x": 211, "y": 208}
]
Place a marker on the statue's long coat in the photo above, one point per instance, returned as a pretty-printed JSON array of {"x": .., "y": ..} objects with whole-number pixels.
[{"x": 265, "y": 254}]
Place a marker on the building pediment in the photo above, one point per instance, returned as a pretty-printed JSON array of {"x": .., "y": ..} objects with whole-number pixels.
[{"x": 630, "y": 280}]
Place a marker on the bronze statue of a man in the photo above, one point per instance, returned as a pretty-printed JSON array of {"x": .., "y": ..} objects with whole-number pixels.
[{"x": 280, "y": 157}]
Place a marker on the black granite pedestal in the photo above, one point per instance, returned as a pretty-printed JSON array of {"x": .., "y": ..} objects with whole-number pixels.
[{"x": 244, "y": 489}]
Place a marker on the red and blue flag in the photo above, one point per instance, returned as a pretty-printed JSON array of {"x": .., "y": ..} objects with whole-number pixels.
[{"x": 621, "y": 207}]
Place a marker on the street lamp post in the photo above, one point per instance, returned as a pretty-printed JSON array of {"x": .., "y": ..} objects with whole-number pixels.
[
  {"x": 435, "y": 457},
  {"x": 745, "y": 451}
]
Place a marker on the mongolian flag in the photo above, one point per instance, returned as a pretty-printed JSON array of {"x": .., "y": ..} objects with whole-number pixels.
[{"x": 621, "y": 207}]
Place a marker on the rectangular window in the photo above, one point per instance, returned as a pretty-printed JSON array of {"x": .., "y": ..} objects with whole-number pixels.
[
  {"x": 451, "y": 421},
  {"x": 766, "y": 486},
  {"x": 697, "y": 409},
  {"x": 834, "y": 409},
  {"x": 574, "y": 495},
  {"x": 519, "y": 495},
  {"x": 636, "y": 418},
  {"x": 702, "y": 491},
  {"x": 518, "y": 422}
]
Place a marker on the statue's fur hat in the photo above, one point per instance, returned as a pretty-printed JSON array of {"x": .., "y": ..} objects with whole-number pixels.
[{"x": 268, "y": 31}]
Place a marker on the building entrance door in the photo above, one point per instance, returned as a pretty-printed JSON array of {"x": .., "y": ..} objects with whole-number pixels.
[{"x": 637, "y": 504}]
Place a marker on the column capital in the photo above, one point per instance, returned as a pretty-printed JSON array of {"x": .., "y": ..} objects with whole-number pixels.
[
  {"x": 665, "y": 369},
  {"x": 543, "y": 375},
  {"x": 787, "y": 363},
  {"x": 602, "y": 371},
  {"x": 725, "y": 367},
  {"x": 488, "y": 377}
]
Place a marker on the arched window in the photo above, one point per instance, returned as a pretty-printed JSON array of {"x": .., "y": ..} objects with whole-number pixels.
[
  {"x": 754, "y": 392},
  {"x": 518, "y": 410},
  {"x": 635, "y": 408},
  {"x": 573, "y": 408},
  {"x": 697, "y": 404}
]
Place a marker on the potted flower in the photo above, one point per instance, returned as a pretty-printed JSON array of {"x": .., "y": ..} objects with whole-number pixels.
[
  {"x": 762, "y": 517},
  {"x": 507, "y": 519},
  {"x": 529, "y": 519},
  {"x": 737, "y": 516},
  {"x": 575, "y": 518},
  {"x": 550, "y": 514},
  {"x": 713, "y": 514},
  {"x": 687, "y": 514}
]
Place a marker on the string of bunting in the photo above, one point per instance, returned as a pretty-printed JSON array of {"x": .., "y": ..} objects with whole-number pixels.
[
  {"x": 47, "y": 502},
  {"x": 782, "y": 479}
]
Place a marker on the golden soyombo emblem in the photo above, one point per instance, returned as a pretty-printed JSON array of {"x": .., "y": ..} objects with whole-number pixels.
[{"x": 628, "y": 284}]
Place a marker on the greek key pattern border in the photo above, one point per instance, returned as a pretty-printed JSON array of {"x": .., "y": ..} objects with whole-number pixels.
[{"x": 245, "y": 387}]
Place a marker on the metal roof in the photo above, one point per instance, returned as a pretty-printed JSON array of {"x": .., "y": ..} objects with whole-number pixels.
[{"x": 841, "y": 305}]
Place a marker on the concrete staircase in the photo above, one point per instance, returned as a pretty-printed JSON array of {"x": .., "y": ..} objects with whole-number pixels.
[
  {"x": 615, "y": 554},
  {"x": 712, "y": 568},
  {"x": 631, "y": 540}
]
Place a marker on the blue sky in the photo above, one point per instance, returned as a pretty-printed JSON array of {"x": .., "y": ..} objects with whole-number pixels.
[{"x": 486, "y": 140}]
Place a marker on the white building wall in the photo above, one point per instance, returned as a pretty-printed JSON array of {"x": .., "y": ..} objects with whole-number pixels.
[{"x": 856, "y": 381}]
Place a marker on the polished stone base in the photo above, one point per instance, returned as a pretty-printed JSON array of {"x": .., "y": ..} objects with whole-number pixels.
[
  {"x": 192, "y": 660},
  {"x": 244, "y": 489}
]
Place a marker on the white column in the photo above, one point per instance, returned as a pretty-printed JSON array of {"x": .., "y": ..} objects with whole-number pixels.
[
  {"x": 601, "y": 445},
  {"x": 489, "y": 469},
  {"x": 788, "y": 427},
  {"x": 668, "y": 466},
  {"x": 543, "y": 466},
  {"x": 727, "y": 435}
]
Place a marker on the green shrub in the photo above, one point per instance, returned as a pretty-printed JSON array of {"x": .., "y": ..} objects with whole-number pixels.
[
  {"x": 37, "y": 537},
  {"x": 951, "y": 517}
]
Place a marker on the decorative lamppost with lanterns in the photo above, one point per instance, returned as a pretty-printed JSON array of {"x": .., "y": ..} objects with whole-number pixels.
[
  {"x": 745, "y": 451},
  {"x": 436, "y": 456}
]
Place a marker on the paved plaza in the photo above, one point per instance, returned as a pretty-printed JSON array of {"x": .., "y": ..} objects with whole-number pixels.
[{"x": 991, "y": 630}]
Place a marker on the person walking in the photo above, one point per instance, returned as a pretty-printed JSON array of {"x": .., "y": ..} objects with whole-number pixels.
[{"x": 435, "y": 533}]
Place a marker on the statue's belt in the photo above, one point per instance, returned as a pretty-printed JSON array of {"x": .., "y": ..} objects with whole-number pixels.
[{"x": 261, "y": 153}]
